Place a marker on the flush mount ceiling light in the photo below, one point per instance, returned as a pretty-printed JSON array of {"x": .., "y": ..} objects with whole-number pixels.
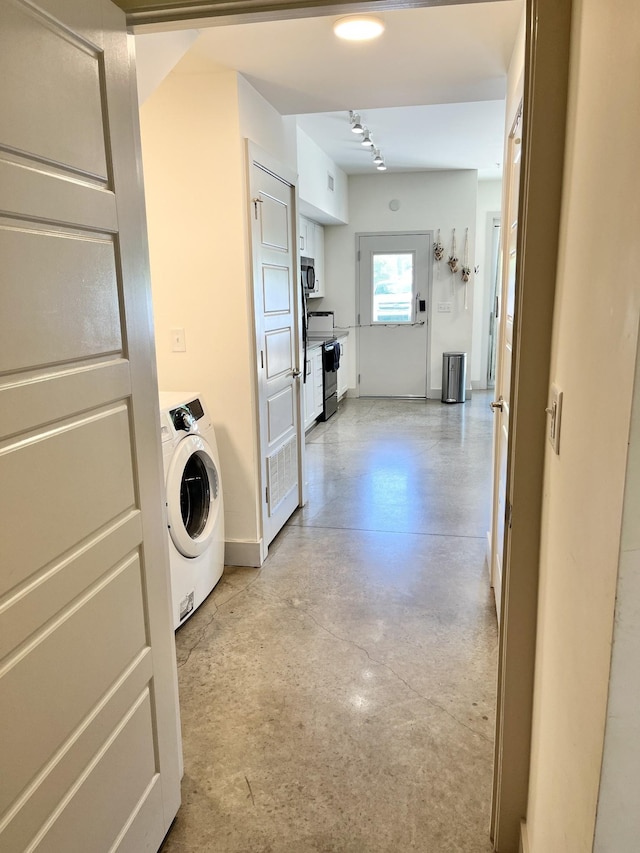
[
  {"x": 356, "y": 125},
  {"x": 358, "y": 27}
]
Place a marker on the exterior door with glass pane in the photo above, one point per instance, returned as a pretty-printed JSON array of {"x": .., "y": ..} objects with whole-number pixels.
[{"x": 393, "y": 307}]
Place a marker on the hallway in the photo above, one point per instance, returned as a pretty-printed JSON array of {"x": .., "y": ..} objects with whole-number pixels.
[{"x": 341, "y": 698}]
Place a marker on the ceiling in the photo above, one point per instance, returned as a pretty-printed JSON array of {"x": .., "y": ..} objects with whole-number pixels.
[{"x": 430, "y": 89}]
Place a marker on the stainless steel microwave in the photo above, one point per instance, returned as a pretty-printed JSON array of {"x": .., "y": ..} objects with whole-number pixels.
[{"x": 308, "y": 274}]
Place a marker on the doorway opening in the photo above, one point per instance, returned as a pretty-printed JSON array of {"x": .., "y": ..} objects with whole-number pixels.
[
  {"x": 546, "y": 103},
  {"x": 393, "y": 299}
]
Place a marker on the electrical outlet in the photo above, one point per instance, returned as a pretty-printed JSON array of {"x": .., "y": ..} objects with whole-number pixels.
[
  {"x": 178, "y": 341},
  {"x": 444, "y": 308},
  {"x": 554, "y": 410}
]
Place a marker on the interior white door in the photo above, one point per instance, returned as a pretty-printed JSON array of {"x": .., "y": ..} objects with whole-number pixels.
[
  {"x": 496, "y": 278},
  {"x": 501, "y": 405},
  {"x": 89, "y": 734},
  {"x": 279, "y": 374},
  {"x": 393, "y": 303}
]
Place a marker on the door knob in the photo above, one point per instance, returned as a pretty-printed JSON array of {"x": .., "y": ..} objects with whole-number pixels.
[
  {"x": 295, "y": 373},
  {"x": 497, "y": 404}
]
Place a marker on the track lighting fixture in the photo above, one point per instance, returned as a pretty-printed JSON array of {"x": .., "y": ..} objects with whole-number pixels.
[
  {"x": 356, "y": 126},
  {"x": 355, "y": 120}
]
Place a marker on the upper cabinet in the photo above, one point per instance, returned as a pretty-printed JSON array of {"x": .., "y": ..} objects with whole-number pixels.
[
  {"x": 306, "y": 230},
  {"x": 318, "y": 238},
  {"x": 311, "y": 236}
]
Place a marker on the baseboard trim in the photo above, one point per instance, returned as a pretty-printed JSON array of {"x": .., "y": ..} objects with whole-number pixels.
[
  {"x": 524, "y": 838},
  {"x": 243, "y": 553},
  {"x": 487, "y": 556}
]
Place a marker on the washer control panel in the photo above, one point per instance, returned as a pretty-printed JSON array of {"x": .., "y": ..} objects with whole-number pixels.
[{"x": 186, "y": 417}]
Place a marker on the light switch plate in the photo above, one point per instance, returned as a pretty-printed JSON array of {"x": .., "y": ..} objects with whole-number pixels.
[
  {"x": 444, "y": 308},
  {"x": 554, "y": 413},
  {"x": 178, "y": 340}
]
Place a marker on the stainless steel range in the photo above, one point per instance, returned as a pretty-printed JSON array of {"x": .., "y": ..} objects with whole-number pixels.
[
  {"x": 320, "y": 326},
  {"x": 330, "y": 365}
]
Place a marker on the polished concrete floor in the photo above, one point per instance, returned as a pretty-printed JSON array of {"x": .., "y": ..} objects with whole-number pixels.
[{"x": 341, "y": 698}]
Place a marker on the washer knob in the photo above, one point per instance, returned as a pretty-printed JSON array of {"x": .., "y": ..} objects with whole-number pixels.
[{"x": 183, "y": 419}]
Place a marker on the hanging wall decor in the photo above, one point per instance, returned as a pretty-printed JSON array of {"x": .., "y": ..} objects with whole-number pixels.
[
  {"x": 438, "y": 252},
  {"x": 438, "y": 248},
  {"x": 466, "y": 269},
  {"x": 453, "y": 256}
]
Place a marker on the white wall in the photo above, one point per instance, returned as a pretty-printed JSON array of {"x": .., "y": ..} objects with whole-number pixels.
[
  {"x": 489, "y": 202},
  {"x": 317, "y": 201},
  {"x": 595, "y": 338},
  {"x": 193, "y": 148},
  {"x": 156, "y": 56},
  {"x": 618, "y": 819},
  {"x": 428, "y": 201},
  {"x": 262, "y": 124}
]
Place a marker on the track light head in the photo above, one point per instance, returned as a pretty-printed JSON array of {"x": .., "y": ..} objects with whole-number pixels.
[
  {"x": 381, "y": 167},
  {"x": 356, "y": 125},
  {"x": 377, "y": 157},
  {"x": 366, "y": 138}
]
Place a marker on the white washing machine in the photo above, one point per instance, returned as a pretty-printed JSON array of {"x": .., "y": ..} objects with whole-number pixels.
[{"x": 194, "y": 500}]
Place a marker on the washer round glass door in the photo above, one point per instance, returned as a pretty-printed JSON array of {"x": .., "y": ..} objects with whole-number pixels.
[{"x": 193, "y": 496}]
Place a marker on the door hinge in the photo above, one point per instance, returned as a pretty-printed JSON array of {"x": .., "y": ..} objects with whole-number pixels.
[
  {"x": 358, "y": 319},
  {"x": 261, "y": 358},
  {"x": 266, "y": 495},
  {"x": 358, "y": 255},
  {"x": 358, "y": 379},
  {"x": 256, "y": 202},
  {"x": 509, "y": 515}
]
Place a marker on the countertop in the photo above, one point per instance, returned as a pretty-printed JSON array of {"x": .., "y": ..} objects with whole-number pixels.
[{"x": 316, "y": 338}]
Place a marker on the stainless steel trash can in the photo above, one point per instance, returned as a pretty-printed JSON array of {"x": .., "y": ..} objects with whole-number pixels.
[{"x": 454, "y": 377}]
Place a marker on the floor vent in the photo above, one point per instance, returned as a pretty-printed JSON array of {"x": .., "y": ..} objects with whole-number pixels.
[{"x": 283, "y": 473}]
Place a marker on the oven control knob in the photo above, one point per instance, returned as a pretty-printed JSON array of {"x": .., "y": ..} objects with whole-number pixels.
[{"x": 183, "y": 419}]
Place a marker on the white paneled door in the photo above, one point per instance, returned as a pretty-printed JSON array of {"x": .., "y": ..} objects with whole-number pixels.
[
  {"x": 276, "y": 301},
  {"x": 393, "y": 302},
  {"x": 89, "y": 744},
  {"x": 502, "y": 403}
]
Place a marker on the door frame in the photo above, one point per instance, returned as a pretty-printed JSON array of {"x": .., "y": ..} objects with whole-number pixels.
[
  {"x": 515, "y": 122},
  {"x": 428, "y": 321},
  {"x": 256, "y": 156},
  {"x": 546, "y": 73},
  {"x": 546, "y": 80}
]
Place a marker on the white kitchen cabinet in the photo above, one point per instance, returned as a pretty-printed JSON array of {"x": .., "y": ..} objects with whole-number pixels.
[
  {"x": 306, "y": 229},
  {"x": 343, "y": 370},
  {"x": 308, "y": 394},
  {"x": 312, "y": 246},
  {"x": 318, "y": 244},
  {"x": 313, "y": 390}
]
